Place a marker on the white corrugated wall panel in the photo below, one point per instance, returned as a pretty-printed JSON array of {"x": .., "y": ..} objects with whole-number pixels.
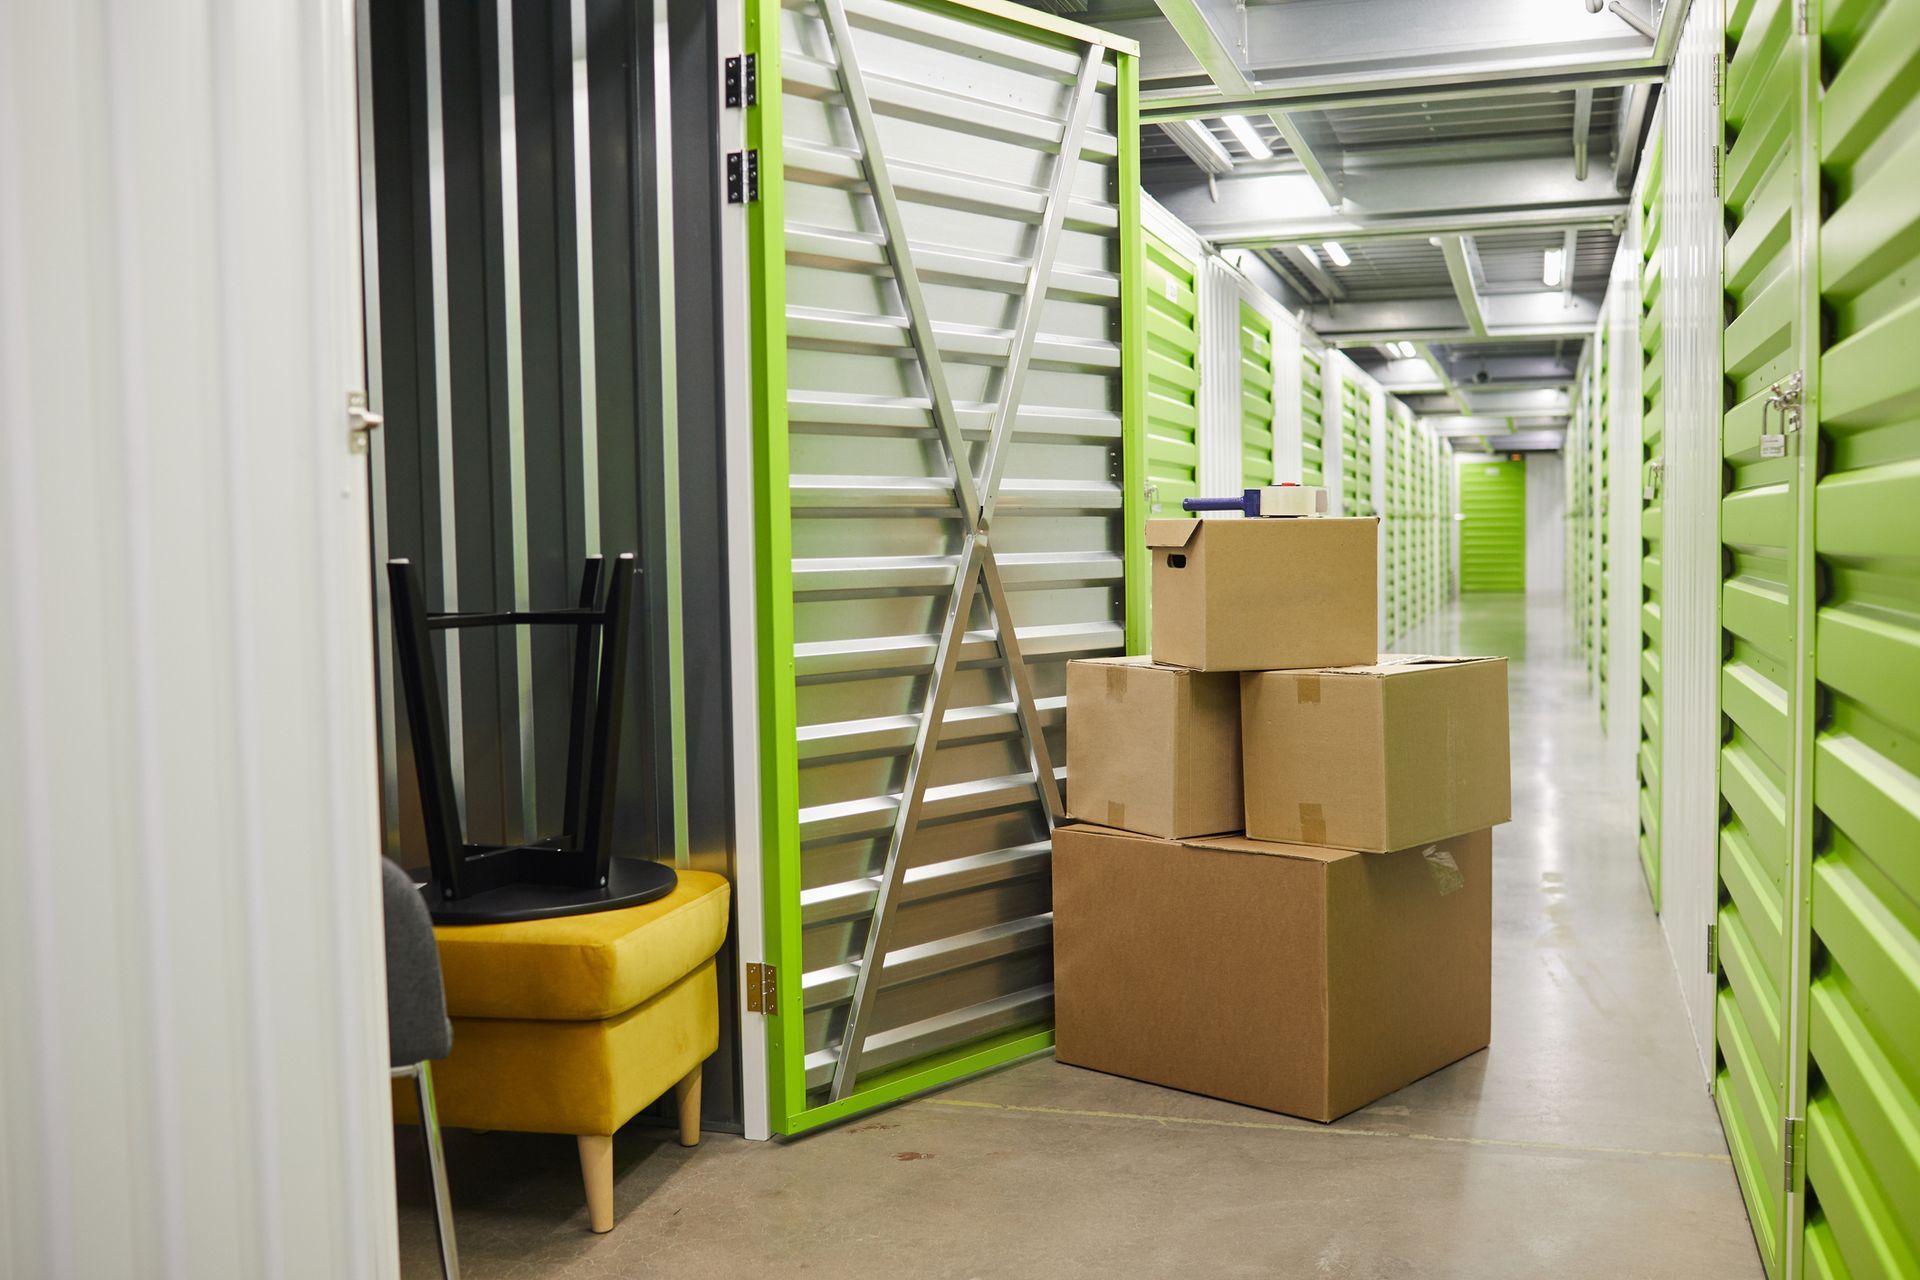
[
  {"x": 193, "y": 1069},
  {"x": 1691, "y": 248},
  {"x": 1623, "y": 529}
]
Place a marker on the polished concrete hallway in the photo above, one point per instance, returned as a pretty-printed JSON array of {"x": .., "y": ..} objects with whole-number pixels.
[{"x": 1583, "y": 1143}]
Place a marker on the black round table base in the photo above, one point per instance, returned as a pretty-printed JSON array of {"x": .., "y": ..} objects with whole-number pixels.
[{"x": 630, "y": 882}]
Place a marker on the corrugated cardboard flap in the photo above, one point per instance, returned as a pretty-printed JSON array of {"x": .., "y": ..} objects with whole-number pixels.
[
  {"x": 1272, "y": 849},
  {"x": 1171, "y": 533},
  {"x": 1393, "y": 663}
]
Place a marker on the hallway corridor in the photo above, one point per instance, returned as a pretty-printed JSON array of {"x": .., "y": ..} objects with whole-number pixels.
[{"x": 1582, "y": 1144}]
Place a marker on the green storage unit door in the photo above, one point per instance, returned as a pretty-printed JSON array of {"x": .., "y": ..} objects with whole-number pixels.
[
  {"x": 1652, "y": 512},
  {"x": 1759, "y": 534},
  {"x": 1602, "y": 356},
  {"x": 1173, "y": 377},
  {"x": 1311, "y": 429},
  {"x": 1256, "y": 398},
  {"x": 1356, "y": 451},
  {"x": 1493, "y": 532},
  {"x": 1863, "y": 1109}
]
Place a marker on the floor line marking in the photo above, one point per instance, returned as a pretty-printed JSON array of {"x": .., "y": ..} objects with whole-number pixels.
[{"x": 1522, "y": 1144}]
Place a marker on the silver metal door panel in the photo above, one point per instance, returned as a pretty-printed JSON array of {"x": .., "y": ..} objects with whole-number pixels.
[{"x": 970, "y": 124}]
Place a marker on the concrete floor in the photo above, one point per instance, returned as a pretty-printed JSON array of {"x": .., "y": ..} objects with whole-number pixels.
[{"x": 1583, "y": 1143}]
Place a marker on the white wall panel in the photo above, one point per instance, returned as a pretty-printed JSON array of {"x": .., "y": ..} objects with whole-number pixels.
[
  {"x": 1623, "y": 515},
  {"x": 193, "y": 1067},
  {"x": 1546, "y": 524},
  {"x": 1691, "y": 247},
  {"x": 1220, "y": 460}
]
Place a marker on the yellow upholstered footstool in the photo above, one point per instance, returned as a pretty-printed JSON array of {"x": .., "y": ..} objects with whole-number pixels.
[{"x": 573, "y": 1025}]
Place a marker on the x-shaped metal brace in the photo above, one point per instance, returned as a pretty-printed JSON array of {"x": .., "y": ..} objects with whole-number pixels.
[{"x": 976, "y": 568}]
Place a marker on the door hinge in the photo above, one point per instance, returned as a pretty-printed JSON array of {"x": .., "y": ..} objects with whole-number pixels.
[
  {"x": 1713, "y": 85},
  {"x": 1713, "y": 948},
  {"x": 763, "y": 993},
  {"x": 742, "y": 81},
  {"x": 1716, "y": 173},
  {"x": 743, "y": 176},
  {"x": 1793, "y": 1136}
]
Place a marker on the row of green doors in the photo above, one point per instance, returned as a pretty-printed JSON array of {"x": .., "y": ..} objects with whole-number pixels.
[{"x": 1817, "y": 1026}]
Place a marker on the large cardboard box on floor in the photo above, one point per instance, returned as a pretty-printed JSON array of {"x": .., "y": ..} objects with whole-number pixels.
[
  {"x": 1382, "y": 756},
  {"x": 1153, "y": 748},
  {"x": 1253, "y": 595},
  {"x": 1304, "y": 980}
]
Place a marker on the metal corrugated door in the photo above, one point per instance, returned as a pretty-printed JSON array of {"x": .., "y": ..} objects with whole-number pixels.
[
  {"x": 1652, "y": 511},
  {"x": 1356, "y": 451},
  {"x": 1493, "y": 531},
  {"x": 948, "y": 479},
  {"x": 1311, "y": 432},
  {"x": 1602, "y": 410},
  {"x": 1863, "y": 1111},
  {"x": 1256, "y": 398},
  {"x": 1761, "y": 764},
  {"x": 1173, "y": 377}
]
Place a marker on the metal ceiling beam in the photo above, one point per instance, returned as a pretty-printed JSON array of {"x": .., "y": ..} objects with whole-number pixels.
[
  {"x": 1178, "y": 103},
  {"x": 1465, "y": 290},
  {"x": 1582, "y": 126},
  {"x": 1459, "y": 197},
  {"x": 1630, "y": 125},
  {"x": 1425, "y": 351},
  {"x": 1300, "y": 262},
  {"x": 1198, "y": 144},
  {"x": 1207, "y": 28}
]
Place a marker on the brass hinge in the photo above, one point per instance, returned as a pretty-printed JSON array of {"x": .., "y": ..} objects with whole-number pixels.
[
  {"x": 763, "y": 993},
  {"x": 1713, "y": 948}
]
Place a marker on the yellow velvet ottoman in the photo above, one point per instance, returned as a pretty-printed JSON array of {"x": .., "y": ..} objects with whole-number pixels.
[{"x": 574, "y": 1025}]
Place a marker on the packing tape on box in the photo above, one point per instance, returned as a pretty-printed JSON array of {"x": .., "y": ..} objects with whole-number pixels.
[
  {"x": 1306, "y": 688},
  {"x": 1117, "y": 680},
  {"x": 1313, "y": 824},
  {"x": 1446, "y": 872},
  {"x": 1117, "y": 815}
]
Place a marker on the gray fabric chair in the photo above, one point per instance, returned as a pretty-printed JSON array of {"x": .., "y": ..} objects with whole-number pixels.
[{"x": 418, "y": 1030}]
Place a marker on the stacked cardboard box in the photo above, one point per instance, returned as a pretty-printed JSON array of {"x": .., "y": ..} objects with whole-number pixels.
[{"x": 1277, "y": 886}]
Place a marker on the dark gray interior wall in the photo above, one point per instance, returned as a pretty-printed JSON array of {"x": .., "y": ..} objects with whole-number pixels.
[
  {"x": 556, "y": 442},
  {"x": 694, "y": 60}
]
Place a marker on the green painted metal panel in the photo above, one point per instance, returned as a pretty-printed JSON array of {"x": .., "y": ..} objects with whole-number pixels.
[
  {"x": 1493, "y": 531},
  {"x": 1173, "y": 376},
  {"x": 1356, "y": 451},
  {"x": 1761, "y": 769},
  {"x": 1312, "y": 430},
  {"x": 1862, "y": 1215},
  {"x": 1652, "y": 515},
  {"x": 861, "y": 541},
  {"x": 1256, "y": 398}
]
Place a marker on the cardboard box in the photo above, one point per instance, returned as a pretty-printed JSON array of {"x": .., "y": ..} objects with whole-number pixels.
[
  {"x": 1297, "y": 979},
  {"x": 1254, "y": 595},
  {"x": 1394, "y": 753},
  {"x": 1153, "y": 748}
]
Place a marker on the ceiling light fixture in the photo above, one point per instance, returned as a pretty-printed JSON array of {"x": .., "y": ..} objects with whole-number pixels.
[
  {"x": 1306, "y": 250},
  {"x": 1242, "y": 128},
  {"x": 1335, "y": 252},
  {"x": 1555, "y": 269}
]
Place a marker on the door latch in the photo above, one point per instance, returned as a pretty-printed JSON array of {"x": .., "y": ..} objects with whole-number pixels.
[
  {"x": 360, "y": 421},
  {"x": 1785, "y": 396}
]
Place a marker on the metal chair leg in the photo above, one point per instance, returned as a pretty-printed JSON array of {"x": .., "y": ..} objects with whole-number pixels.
[{"x": 437, "y": 1168}]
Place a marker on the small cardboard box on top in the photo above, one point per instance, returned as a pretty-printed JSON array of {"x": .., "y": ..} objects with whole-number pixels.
[
  {"x": 1381, "y": 756},
  {"x": 1259, "y": 594},
  {"x": 1303, "y": 980},
  {"x": 1153, "y": 748}
]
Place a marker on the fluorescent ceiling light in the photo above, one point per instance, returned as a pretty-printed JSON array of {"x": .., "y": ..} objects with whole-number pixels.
[
  {"x": 1556, "y": 268},
  {"x": 1403, "y": 349},
  {"x": 1242, "y": 128},
  {"x": 1339, "y": 255},
  {"x": 1311, "y": 256}
]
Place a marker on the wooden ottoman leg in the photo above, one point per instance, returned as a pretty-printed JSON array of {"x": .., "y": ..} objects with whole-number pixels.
[
  {"x": 686, "y": 1097},
  {"x": 596, "y": 1170}
]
